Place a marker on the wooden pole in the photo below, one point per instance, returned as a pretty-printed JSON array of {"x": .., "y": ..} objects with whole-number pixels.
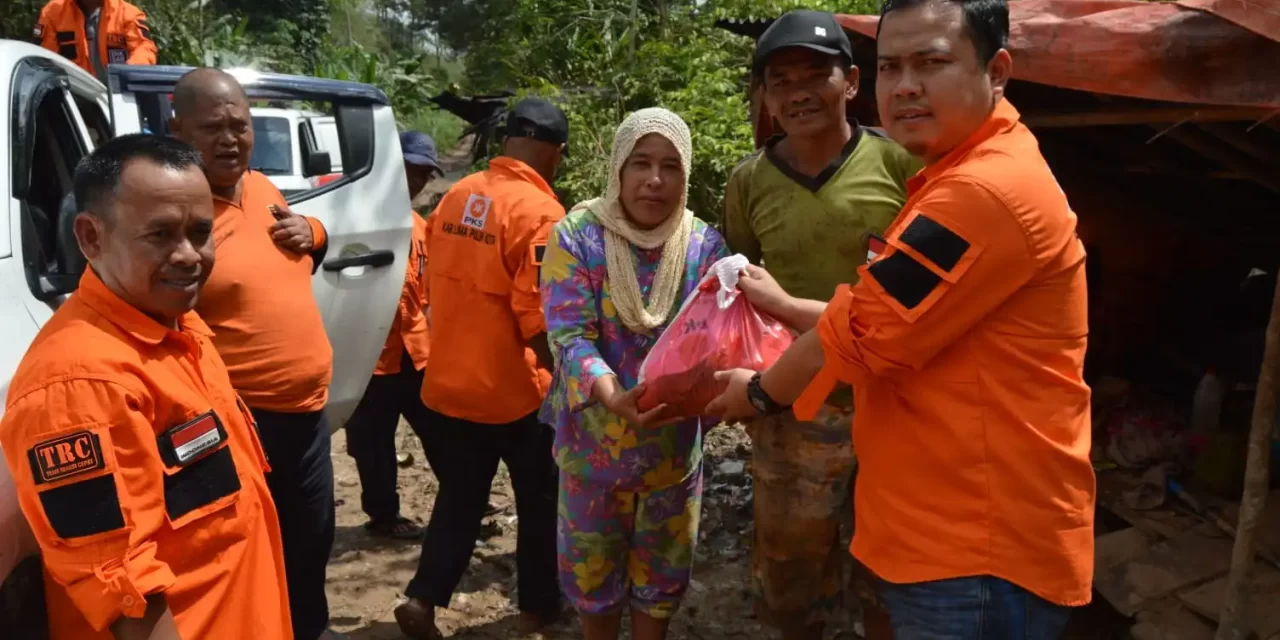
[{"x": 1257, "y": 476}]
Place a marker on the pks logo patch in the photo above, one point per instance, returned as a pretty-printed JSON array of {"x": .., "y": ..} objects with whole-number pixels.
[
  {"x": 53, "y": 460},
  {"x": 476, "y": 211}
]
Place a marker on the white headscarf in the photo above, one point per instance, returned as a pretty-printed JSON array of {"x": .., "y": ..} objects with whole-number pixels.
[{"x": 672, "y": 235}]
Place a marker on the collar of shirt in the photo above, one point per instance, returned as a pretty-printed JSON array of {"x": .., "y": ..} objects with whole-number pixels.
[
  {"x": 94, "y": 292},
  {"x": 1002, "y": 120},
  {"x": 520, "y": 171}
]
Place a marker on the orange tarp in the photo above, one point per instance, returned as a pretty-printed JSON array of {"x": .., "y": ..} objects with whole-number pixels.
[{"x": 1220, "y": 52}]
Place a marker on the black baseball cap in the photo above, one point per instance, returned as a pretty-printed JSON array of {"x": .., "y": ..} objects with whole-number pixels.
[
  {"x": 815, "y": 30},
  {"x": 538, "y": 119}
]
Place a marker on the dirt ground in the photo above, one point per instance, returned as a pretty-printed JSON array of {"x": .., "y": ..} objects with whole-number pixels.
[{"x": 367, "y": 575}]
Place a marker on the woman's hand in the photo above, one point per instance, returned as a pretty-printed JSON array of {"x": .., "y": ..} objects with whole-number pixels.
[
  {"x": 764, "y": 292},
  {"x": 622, "y": 403}
]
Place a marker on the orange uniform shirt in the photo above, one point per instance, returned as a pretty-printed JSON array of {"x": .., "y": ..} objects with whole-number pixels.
[
  {"x": 123, "y": 34},
  {"x": 258, "y": 301},
  {"x": 486, "y": 239},
  {"x": 409, "y": 329},
  {"x": 140, "y": 473},
  {"x": 964, "y": 342}
]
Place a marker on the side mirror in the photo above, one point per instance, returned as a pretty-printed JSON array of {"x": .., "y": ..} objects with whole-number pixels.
[{"x": 316, "y": 163}]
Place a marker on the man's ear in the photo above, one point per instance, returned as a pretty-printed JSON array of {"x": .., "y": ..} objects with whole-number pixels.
[
  {"x": 89, "y": 230},
  {"x": 1000, "y": 71},
  {"x": 853, "y": 76}
]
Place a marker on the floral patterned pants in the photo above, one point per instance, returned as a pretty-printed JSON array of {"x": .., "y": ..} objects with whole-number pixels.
[{"x": 617, "y": 547}]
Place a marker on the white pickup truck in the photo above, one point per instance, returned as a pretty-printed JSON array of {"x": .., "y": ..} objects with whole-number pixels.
[{"x": 52, "y": 114}]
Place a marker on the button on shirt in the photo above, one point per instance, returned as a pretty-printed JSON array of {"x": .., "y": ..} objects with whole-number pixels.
[
  {"x": 140, "y": 473},
  {"x": 964, "y": 342},
  {"x": 259, "y": 303},
  {"x": 486, "y": 240}
]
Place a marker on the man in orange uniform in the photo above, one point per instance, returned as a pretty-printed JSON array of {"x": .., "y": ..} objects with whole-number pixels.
[
  {"x": 134, "y": 461},
  {"x": 489, "y": 369},
  {"x": 268, "y": 328},
  {"x": 964, "y": 341},
  {"x": 96, "y": 33},
  {"x": 396, "y": 386}
]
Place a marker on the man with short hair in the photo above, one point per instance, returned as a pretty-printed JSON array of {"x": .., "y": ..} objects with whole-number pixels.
[
  {"x": 268, "y": 328},
  {"x": 807, "y": 205},
  {"x": 396, "y": 386},
  {"x": 96, "y": 33},
  {"x": 964, "y": 342},
  {"x": 490, "y": 369},
  {"x": 134, "y": 461}
]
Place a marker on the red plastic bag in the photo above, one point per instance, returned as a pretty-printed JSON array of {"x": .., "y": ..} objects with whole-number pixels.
[{"x": 716, "y": 329}]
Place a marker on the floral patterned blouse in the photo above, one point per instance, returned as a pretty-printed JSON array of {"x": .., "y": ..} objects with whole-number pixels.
[{"x": 590, "y": 341}]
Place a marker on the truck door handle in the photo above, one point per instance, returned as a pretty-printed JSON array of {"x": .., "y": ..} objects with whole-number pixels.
[{"x": 375, "y": 259}]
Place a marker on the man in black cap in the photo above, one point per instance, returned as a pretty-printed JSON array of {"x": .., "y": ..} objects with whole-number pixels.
[
  {"x": 808, "y": 206},
  {"x": 490, "y": 368}
]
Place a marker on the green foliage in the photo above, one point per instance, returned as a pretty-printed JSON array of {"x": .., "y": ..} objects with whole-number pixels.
[
  {"x": 18, "y": 18},
  {"x": 602, "y": 61},
  {"x": 767, "y": 9}
]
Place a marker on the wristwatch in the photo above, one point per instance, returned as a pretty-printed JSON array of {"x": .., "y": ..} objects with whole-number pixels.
[{"x": 761, "y": 400}]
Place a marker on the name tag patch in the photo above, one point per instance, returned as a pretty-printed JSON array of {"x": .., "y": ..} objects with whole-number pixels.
[
  {"x": 476, "y": 211},
  {"x": 67, "y": 456},
  {"x": 117, "y": 56},
  {"x": 187, "y": 442}
]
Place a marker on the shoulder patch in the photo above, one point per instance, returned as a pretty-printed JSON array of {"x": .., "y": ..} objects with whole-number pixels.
[
  {"x": 905, "y": 279},
  {"x": 939, "y": 244},
  {"x": 67, "y": 456},
  {"x": 476, "y": 211},
  {"x": 38, "y": 31}
]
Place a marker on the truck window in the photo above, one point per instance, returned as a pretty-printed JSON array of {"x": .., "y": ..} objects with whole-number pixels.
[{"x": 272, "y": 146}]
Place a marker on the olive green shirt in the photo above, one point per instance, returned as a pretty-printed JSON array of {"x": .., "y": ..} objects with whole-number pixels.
[{"x": 811, "y": 233}]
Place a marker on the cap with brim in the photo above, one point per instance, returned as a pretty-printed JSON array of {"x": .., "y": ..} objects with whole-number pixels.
[
  {"x": 537, "y": 119},
  {"x": 804, "y": 29},
  {"x": 421, "y": 161},
  {"x": 418, "y": 149}
]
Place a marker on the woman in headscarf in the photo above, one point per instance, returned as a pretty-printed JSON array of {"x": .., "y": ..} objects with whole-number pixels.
[{"x": 616, "y": 270}]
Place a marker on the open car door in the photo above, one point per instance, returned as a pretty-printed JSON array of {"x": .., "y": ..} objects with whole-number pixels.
[{"x": 366, "y": 210}]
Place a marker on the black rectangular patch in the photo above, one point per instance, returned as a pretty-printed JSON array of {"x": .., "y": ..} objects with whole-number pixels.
[
  {"x": 200, "y": 483},
  {"x": 939, "y": 244},
  {"x": 116, "y": 55},
  {"x": 67, "y": 51},
  {"x": 70, "y": 455},
  {"x": 908, "y": 281},
  {"x": 66, "y": 36},
  {"x": 539, "y": 252},
  {"x": 84, "y": 508}
]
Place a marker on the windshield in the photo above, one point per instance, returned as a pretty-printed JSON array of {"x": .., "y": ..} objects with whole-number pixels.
[{"x": 272, "y": 146}]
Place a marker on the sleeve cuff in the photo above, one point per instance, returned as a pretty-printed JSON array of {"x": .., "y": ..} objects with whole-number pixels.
[
  {"x": 590, "y": 369},
  {"x": 120, "y": 587},
  {"x": 531, "y": 323},
  {"x": 319, "y": 237}
]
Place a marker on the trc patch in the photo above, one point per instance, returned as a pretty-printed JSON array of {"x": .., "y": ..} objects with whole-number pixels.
[{"x": 70, "y": 455}]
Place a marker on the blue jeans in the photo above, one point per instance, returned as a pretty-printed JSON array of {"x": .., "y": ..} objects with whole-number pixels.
[{"x": 976, "y": 608}]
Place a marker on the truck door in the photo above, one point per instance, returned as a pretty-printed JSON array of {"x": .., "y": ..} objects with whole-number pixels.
[{"x": 366, "y": 211}]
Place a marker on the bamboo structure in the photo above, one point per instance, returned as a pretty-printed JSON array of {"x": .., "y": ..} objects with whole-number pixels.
[{"x": 1231, "y": 625}]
